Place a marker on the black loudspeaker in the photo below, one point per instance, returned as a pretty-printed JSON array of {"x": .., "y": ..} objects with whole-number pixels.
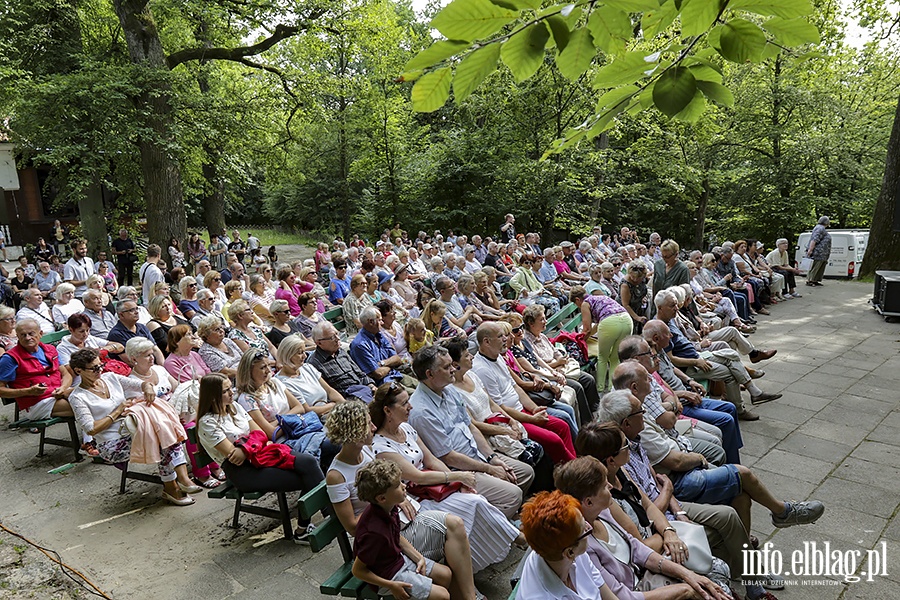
[{"x": 886, "y": 298}]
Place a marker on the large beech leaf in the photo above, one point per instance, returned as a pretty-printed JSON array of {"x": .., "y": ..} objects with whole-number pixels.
[
  {"x": 741, "y": 41},
  {"x": 610, "y": 28},
  {"x": 674, "y": 90},
  {"x": 524, "y": 52},
  {"x": 698, "y": 15},
  {"x": 792, "y": 32},
  {"x": 434, "y": 54},
  {"x": 473, "y": 69},
  {"x": 577, "y": 56},
  {"x": 470, "y": 20},
  {"x": 786, "y": 9},
  {"x": 432, "y": 90},
  {"x": 627, "y": 68}
]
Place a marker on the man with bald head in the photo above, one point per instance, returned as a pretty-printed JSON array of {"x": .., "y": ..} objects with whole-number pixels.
[{"x": 29, "y": 373}]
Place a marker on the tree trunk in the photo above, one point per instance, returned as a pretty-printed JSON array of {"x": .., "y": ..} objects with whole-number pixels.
[
  {"x": 214, "y": 189},
  {"x": 700, "y": 217},
  {"x": 93, "y": 223},
  {"x": 883, "y": 251},
  {"x": 162, "y": 178}
]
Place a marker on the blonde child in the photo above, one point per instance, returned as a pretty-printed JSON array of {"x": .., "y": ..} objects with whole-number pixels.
[{"x": 417, "y": 336}]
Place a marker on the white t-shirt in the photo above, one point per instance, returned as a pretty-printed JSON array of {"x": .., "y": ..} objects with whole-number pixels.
[
  {"x": 62, "y": 312},
  {"x": 149, "y": 274},
  {"x": 497, "y": 380},
  {"x": 66, "y": 347},
  {"x": 777, "y": 259},
  {"x": 305, "y": 385},
  {"x": 269, "y": 404},
  {"x": 212, "y": 429},
  {"x": 79, "y": 270}
]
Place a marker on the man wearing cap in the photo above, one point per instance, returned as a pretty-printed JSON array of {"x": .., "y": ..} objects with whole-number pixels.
[
  {"x": 780, "y": 262},
  {"x": 819, "y": 250}
]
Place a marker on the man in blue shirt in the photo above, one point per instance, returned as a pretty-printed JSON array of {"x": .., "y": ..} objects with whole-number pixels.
[
  {"x": 340, "y": 283},
  {"x": 128, "y": 327},
  {"x": 440, "y": 418},
  {"x": 373, "y": 352}
]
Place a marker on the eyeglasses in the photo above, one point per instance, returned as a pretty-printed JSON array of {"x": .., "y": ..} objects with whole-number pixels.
[
  {"x": 260, "y": 355},
  {"x": 333, "y": 338},
  {"x": 282, "y": 312},
  {"x": 217, "y": 279},
  {"x": 647, "y": 353},
  {"x": 582, "y": 536},
  {"x": 622, "y": 449},
  {"x": 634, "y": 414},
  {"x": 131, "y": 310},
  {"x": 95, "y": 368},
  {"x": 192, "y": 285},
  {"x": 518, "y": 329}
]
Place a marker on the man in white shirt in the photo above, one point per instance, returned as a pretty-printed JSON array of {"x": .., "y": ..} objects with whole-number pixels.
[
  {"x": 33, "y": 307},
  {"x": 78, "y": 268},
  {"x": 150, "y": 273},
  {"x": 780, "y": 262}
]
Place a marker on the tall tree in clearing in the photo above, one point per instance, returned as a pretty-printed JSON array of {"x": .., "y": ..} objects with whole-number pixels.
[{"x": 883, "y": 251}]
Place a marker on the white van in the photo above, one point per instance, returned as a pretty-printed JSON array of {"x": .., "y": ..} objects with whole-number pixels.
[{"x": 848, "y": 246}]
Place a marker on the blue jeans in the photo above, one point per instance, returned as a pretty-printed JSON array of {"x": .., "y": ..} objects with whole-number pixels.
[
  {"x": 724, "y": 416},
  {"x": 720, "y": 485},
  {"x": 563, "y": 411}
]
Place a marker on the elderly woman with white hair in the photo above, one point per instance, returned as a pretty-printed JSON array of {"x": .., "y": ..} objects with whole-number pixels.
[
  {"x": 96, "y": 282},
  {"x": 8, "y": 337},
  {"x": 33, "y": 307},
  {"x": 219, "y": 353},
  {"x": 66, "y": 305}
]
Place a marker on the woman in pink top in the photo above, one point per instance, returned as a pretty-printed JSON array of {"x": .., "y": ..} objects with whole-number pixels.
[
  {"x": 288, "y": 289},
  {"x": 307, "y": 283},
  {"x": 183, "y": 362}
]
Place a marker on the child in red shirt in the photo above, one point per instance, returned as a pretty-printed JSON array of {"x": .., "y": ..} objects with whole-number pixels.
[{"x": 384, "y": 558}]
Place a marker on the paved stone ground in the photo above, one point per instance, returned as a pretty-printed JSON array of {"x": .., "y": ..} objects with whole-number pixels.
[{"x": 833, "y": 436}]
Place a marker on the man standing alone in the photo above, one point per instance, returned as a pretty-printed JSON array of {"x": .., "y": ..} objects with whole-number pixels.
[{"x": 123, "y": 248}]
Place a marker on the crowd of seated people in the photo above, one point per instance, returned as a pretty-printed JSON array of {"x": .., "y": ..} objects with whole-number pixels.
[{"x": 444, "y": 355}]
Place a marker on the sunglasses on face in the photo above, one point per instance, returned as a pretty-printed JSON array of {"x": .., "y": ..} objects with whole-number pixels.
[{"x": 95, "y": 368}]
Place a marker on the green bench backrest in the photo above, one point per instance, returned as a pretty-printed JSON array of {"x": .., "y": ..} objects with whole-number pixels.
[
  {"x": 55, "y": 337},
  {"x": 335, "y": 316},
  {"x": 554, "y": 321},
  {"x": 330, "y": 529}
]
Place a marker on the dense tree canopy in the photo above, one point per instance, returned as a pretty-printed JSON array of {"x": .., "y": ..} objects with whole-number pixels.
[{"x": 695, "y": 118}]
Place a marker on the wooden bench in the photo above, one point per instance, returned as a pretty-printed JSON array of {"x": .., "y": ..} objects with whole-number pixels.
[
  {"x": 341, "y": 582},
  {"x": 551, "y": 329},
  {"x": 227, "y": 490},
  {"x": 335, "y": 316}
]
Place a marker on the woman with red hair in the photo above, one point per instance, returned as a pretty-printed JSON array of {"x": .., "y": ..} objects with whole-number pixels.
[{"x": 558, "y": 568}]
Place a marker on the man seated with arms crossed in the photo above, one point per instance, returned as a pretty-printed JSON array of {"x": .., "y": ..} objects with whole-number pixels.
[
  {"x": 693, "y": 479},
  {"x": 373, "y": 352},
  {"x": 337, "y": 368},
  {"x": 718, "y": 368},
  {"x": 657, "y": 418},
  {"x": 689, "y": 393},
  {"x": 728, "y": 437},
  {"x": 29, "y": 373},
  {"x": 440, "y": 417},
  {"x": 128, "y": 327}
]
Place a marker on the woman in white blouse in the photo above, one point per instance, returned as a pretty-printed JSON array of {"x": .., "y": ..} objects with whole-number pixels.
[
  {"x": 490, "y": 533},
  {"x": 303, "y": 379},
  {"x": 221, "y": 423},
  {"x": 99, "y": 403},
  {"x": 436, "y": 534},
  {"x": 80, "y": 337},
  {"x": 66, "y": 304}
]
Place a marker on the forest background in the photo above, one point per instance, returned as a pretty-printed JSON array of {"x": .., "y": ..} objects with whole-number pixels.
[{"x": 291, "y": 113}]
